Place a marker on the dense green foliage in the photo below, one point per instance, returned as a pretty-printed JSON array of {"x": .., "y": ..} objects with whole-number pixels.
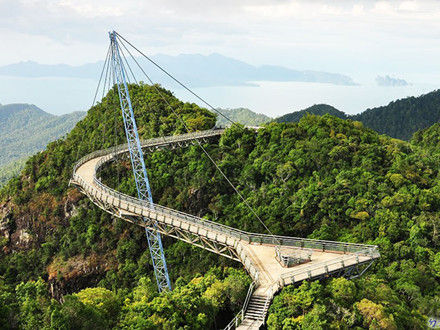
[
  {"x": 428, "y": 138},
  {"x": 242, "y": 116},
  {"x": 399, "y": 119},
  {"x": 198, "y": 304},
  {"x": 25, "y": 130},
  {"x": 323, "y": 177}
]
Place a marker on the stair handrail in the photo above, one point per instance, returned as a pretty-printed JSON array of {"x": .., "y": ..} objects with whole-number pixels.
[
  {"x": 248, "y": 297},
  {"x": 240, "y": 315},
  {"x": 269, "y": 297},
  {"x": 234, "y": 322}
]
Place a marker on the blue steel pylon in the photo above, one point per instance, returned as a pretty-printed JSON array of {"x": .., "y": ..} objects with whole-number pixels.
[{"x": 138, "y": 164}]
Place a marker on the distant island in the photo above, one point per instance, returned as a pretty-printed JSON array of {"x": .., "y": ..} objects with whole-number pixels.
[
  {"x": 390, "y": 81},
  {"x": 200, "y": 70}
]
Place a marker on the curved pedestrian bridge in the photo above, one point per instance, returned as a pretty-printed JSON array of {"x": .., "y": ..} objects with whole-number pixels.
[{"x": 257, "y": 252}]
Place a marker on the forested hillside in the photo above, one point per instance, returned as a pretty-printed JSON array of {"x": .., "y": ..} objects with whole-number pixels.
[
  {"x": 243, "y": 116},
  {"x": 399, "y": 119},
  {"x": 26, "y": 129},
  {"x": 402, "y": 118},
  {"x": 323, "y": 177}
]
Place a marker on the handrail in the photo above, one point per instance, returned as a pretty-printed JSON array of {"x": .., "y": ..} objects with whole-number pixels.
[
  {"x": 248, "y": 297},
  {"x": 281, "y": 281},
  {"x": 234, "y": 322},
  {"x": 240, "y": 315},
  {"x": 150, "y": 142},
  {"x": 269, "y": 297}
]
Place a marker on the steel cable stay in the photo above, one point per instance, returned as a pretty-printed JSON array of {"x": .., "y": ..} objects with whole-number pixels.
[
  {"x": 107, "y": 57},
  {"x": 176, "y": 80},
  {"x": 105, "y": 89},
  {"x": 121, "y": 42},
  {"x": 126, "y": 62}
]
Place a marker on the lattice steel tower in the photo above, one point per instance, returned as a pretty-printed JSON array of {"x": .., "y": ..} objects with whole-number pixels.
[{"x": 138, "y": 164}]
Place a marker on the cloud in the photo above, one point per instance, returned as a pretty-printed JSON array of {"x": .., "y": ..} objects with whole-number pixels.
[{"x": 322, "y": 35}]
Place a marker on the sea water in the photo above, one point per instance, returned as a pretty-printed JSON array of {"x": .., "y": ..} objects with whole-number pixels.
[{"x": 64, "y": 95}]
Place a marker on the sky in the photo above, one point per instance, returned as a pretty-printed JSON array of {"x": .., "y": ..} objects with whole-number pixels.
[
  {"x": 397, "y": 37},
  {"x": 361, "y": 39}
]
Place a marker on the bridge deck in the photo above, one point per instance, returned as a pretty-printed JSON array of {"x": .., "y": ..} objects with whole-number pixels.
[{"x": 255, "y": 251}]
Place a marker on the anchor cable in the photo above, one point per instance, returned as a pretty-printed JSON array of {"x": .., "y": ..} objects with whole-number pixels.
[
  {"x": 198, "y": 142},
  {"x": 176, "y": 80}
]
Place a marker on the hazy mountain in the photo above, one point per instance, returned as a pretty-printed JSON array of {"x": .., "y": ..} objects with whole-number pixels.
[
  {"x": 402, "y": 118},
  {"x": 390, "y": 81},
  {"x": 26, "y": 129},
  {"x": 243, "y": 116},
  {"x": 317, "y": 109},
  {"x": 399, "y": 119},
  {"x": 200, "y": 70}
]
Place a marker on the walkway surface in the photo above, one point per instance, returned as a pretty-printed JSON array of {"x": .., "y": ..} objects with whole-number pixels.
[{"x": 257, "y": 252}]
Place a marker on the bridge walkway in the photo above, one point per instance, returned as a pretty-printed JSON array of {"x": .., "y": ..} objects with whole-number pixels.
[{"x": 257, "y": 252}]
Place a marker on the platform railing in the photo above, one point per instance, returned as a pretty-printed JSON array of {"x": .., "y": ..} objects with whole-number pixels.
[{"x": 344, "y": 260}]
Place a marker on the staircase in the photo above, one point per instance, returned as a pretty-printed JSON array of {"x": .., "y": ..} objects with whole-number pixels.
[{"x": 255, "y": 313}]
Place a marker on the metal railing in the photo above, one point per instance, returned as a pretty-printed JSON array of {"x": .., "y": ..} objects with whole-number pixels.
[
  {"x": 298, "y": 274},
  {"x": 255, "y": 238},
  {"x": 266, "y": 305},
  {"x": 153, "y": 142},
  {"x": 289, "y": 256},
  {"x": 239, "y": 317}
]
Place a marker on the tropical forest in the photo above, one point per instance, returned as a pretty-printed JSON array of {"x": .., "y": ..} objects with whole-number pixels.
[{"x": 67, "y": 264}]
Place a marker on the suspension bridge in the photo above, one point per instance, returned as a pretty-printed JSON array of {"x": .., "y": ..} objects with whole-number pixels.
[{"x": 272, "y": 261}]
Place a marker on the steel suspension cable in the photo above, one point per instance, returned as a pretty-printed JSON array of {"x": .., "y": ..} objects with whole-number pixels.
[
  {"x": 96, "y": 91},
  {"x": 176, "y": 80},
  {"x": 106, "y": 87},
  {"x": 125, "y": 59},
  {"x": 199, "y": 143}
]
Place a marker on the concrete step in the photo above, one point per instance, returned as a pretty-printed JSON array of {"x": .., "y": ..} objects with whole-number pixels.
[
  {"x": 254, "y": 317},
  {"x": 249, "y": 324},
  {"x": 256, "y": 306},
  {"x": 255, "y": 313}
]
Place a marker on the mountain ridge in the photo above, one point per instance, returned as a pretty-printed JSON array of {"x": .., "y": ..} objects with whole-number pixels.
[
  {"x": 200, "y": 70},
  {"x": 26, "y": 129},
  {"x": 243, "y": 116},
  {"x": 399, "y": 119}
]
